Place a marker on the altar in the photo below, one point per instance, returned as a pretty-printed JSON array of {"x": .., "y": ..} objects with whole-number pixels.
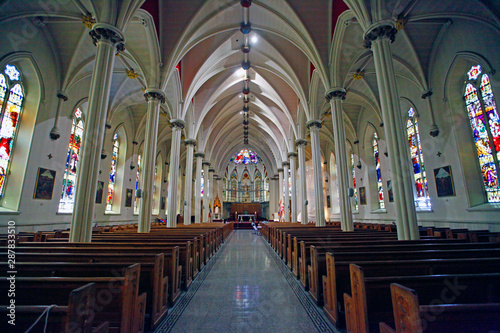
[{"x": 246, "y": 218}]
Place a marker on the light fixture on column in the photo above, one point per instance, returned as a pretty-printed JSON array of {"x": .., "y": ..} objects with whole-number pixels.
[
  {"x": 356, "y": 142},
  {"x": 134, "y": 143}
]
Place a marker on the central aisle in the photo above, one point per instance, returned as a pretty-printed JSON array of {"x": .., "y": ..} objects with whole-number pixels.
[{"x": 244, "y": 291}]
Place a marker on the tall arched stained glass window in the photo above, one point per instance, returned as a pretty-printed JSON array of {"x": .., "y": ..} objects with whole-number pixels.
[
  {"x": 202, "y": 182},
  {"x": 355, "y": 196},
  {"x": 137, "y": 177},
  {"x": 69, "y": 180},
  {"x": 380, "y": 187},
  {"x": 417, "y": 160},
  {"x": 11, "y": 102},
  {"x": 112, "y": 173},
  {"x": 234, "y": 186},
  {"x": 480, "y": 104}
]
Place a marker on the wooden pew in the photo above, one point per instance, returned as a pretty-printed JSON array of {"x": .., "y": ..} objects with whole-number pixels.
[
  {"x": 337, "y": 280},
  {"x": 76, "y": 315},
  {"x": 371, "y": 302},
  {"x": 120, "y": 245},
  {"x": 411, "y": 317},
  {"x": 352, "y": 243},
  {"x": 161, "y": 286},
  {"x": 116, "y": 301},
  {"x": 317, "y": 267},
  {"x": 149, "y": 283},
  {"x": 339, "y": 275},
  {"x": 171, "y": 267}
]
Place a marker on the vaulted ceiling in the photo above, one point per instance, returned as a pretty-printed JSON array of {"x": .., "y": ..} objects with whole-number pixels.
[{"x": 193, "y": 51}]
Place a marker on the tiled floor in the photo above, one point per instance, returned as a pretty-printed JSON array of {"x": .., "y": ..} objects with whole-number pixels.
[{"x": 244, "y": 291}]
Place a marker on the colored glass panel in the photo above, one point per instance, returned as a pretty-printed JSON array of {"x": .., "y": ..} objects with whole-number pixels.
[
  {"x": 137, "y": 176},
  {"x": 474, "y": 72},
  {"x": 9, "y": 123},
  {"x": 486, "y": 134},
  {"x": 354, "y": 183},
  {"x": 202, "y": 181},
  {"x": 245, "y": 156},
  {"x": 380, "y": 188},
  {"x": 234, "y": 186},
  {"x": 12, "y": 73},
  {"x": 112, "y": 173},
  {"x": 417, "y": 159},
  {"x": 69, "y": 179},
  {"x": 3, "y": 90}
]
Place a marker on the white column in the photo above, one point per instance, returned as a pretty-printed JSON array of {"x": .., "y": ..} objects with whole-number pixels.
[
  {"x": 379, "y": 38},
  {"x": 335, "y": 96},
  {"x": 286, "y": 191},
  {"x": 314, "y": 126},
  {"x": 190, "y": 144},
  {"x": 301, "y": 147},
  {"x": 197, "y": 187},
  {"x": 154, "y": 97},
  {"x": 293, "y": 174},
  {"x": 206, "y": 193},
  {"x": 173, "y": 177},
  {"x": 272, "y": 197},
  {"x": 108, "y": 40}
]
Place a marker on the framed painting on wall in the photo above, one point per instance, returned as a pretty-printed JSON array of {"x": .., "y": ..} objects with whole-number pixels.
[
  {"x": 362, "y": 195},
  {"x": 98, "y": 194},
  {"x": 128, "y": 199},
  {"x": 44, "y": 184},
  {"x": 444, "y": 181}
]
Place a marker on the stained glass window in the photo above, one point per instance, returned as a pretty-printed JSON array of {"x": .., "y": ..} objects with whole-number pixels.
[
  {"x": 486, "y": 134},
  {"x": 234, "y": 186},
  {"x": 11, "y": 101},
  {"x": 137, "y": 176},
  {"x": 245, "y": 156},
  {"x": 202, "y": 179},
  {"x": 422, "y": 199},
  {"x": 112, "y": 173},
  {"x": 380, "y": 188},
  {"x": 258, "y": 186},
  {"x": 69, "y": 179},
  {"x": 354, "y": 184}
]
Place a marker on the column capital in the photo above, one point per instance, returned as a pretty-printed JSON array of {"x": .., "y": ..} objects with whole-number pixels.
[
  {"x": 205, "y": 163},
  {"x": 199, "y": 154},
  {"x": 211, "y": 170},
  {"x": 285, "y": 164},
  {"x": 275, "y": 177},
  {"x": 107, "y": 32},
  {"x": 314, "y": 123},
  {"x": 152, "y": 94},
  {"x": 301, "y": 142},
  {"x": 280, "y": 170},
  {"x": 177, "y": 123},
  {"x": 190, "y": 142},
  {"x": 380, "y": 30},
  {"x": 292, "y": 154},
  {"x": 335, "y": 93}
]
